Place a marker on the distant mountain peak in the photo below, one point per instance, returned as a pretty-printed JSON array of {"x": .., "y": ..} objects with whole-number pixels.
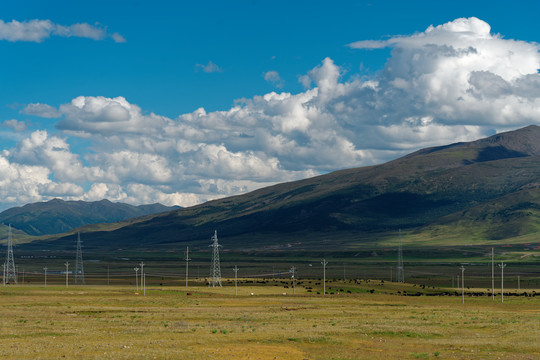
[{"x": 58, "y": 216}]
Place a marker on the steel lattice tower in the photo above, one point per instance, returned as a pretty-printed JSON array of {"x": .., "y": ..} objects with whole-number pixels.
[
  {"x": 11, "y": 272},
  {"x": 78, "y": 275},
  {"x": 400, "y": 277},
  {"x": 216, "y": 267}
]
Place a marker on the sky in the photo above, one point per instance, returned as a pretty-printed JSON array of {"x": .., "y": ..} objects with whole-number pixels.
[{"x": 183, "y": 102}]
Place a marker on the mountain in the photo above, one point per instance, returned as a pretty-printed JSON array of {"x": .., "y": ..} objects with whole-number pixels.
[
  {"x": 477, "y": 191},
  {"x": 58, "y": 216}
]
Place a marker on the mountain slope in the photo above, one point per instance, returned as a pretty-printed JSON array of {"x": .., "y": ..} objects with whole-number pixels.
[
  {"x": 440, "y": 186},
  {"x": 58, "y": 216}
]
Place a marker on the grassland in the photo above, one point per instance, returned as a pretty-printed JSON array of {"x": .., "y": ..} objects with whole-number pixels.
[{"x": 113, "y": 322}]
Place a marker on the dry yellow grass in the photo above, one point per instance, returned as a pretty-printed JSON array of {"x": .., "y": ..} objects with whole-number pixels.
[{"x": 107, "y": 322}]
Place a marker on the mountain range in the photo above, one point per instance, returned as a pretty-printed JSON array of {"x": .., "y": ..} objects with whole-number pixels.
[
  {"x": 59, "y": 216},
  {"x": 469, "y": 192}
]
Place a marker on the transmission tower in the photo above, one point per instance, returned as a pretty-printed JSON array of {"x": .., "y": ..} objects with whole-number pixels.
[
  {"x": 293, "y": 271},
  {"x": 187, "y": 265},
  {"x": 216, "y": 268},
  {"x": 11, "y": 272},
  {"x": 78, "y": 275},
  {"x": 400, "y": 277}
]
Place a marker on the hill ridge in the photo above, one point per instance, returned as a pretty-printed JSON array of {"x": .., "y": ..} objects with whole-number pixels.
[{"x": 415, "y": 193}]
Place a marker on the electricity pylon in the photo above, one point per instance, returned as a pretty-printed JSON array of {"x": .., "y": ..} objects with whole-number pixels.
[
  {"x": 187, "y": 265},
  {"x": 400, "y": 277},
  {"x": 11, "y": 272},
  {"x": 78, "y": 275},
  {"x": 216, "y": 267}
]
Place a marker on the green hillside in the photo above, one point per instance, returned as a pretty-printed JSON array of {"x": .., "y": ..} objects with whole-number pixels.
[{"x": 482, "y": 191}]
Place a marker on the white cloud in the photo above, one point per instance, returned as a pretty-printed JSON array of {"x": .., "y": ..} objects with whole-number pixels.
[
  {"x": 53, "y": 152},
  {"x": 273, "y": 77},
  {"x": 118, "y": 38},
  {"x": 16, "y": 125},
  {"x": 39, "y": 30},
  {"x": 90, "y": 114},
  {"x": 459, "y": 74},
  {"x": 41, "y": 110},
  {"x": 369, "y": 44},
  {"x": 209, "y": 68},
  {"x": 452, "y": 82}
]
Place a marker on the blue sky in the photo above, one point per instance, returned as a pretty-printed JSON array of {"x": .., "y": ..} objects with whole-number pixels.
[{"x": 179, "y": 103}]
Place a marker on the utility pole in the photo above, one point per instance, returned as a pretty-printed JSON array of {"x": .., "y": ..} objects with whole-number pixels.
[
  {"x": 67, "y": 272},
  {"x": 519, "y": 288},
  {"x": 492, "y": 276},
  {"x": 502, "y": 265},
  {"x": 136, "y": 277},
  {"x": 187, "y": 265},
  {"x": 235, "y": 279},
  {"x": 293, "y": 269},
  {"x": 45, "y": 269},
  {"x": 143, "y": 287},
  {"x": 462, "y": 284},
  {"x": 324, "y": 263},
  {"x": 400, "y": 274}
]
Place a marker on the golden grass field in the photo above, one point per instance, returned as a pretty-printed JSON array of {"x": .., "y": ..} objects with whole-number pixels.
[{"x": 113, "y": 322}]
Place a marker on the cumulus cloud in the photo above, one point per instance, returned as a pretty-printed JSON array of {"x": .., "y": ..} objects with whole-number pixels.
[
  {"x": 39, "y": 30},
  {"x": 118, "y": 38},
  {"x": 16, "y": 125},
  {"x": 111, "y": 115},
  {"x": 457, "y": 73},
  {"x": 452, "y": 82},
  {"x": 41, "y": 110},
  {"x": 273, "y": 77},
  {"x": 209, "y": 68}
]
